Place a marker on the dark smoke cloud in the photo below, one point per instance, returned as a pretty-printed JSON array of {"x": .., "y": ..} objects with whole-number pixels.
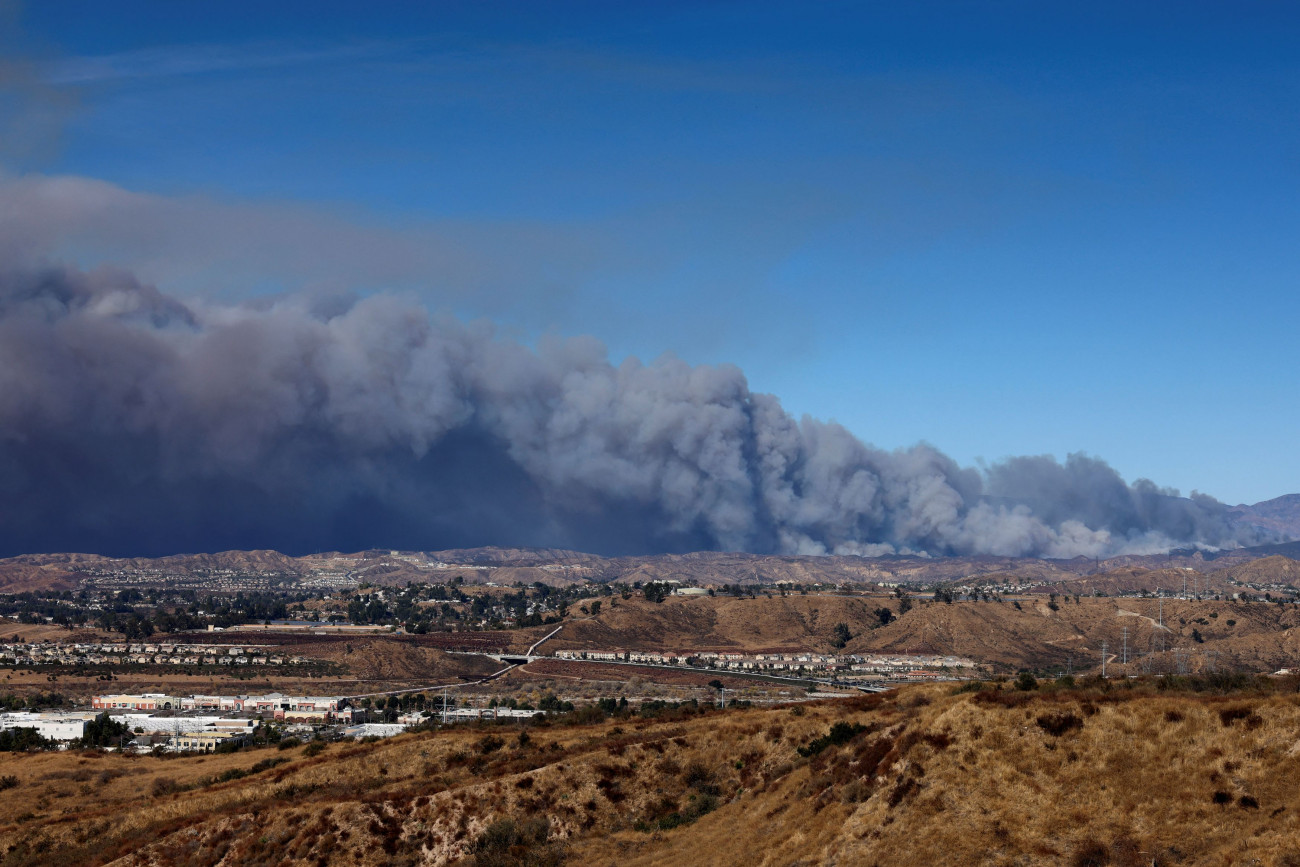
[{"x": 133, "y": 423}]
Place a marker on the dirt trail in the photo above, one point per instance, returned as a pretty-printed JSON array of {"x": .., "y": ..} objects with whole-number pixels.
[{"x": 1125, "y": 613}]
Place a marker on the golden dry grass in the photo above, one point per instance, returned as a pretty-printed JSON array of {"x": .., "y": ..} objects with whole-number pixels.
[
  {"x": 1255, "y": 636},
  {"x": 1087, "y": 776}
]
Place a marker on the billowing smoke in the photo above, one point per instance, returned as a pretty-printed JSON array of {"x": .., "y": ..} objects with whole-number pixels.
[{"x": 133, "y": 423}]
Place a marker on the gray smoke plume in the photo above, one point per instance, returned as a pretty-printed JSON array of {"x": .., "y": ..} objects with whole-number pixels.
[{"x": 133, "y": 423}]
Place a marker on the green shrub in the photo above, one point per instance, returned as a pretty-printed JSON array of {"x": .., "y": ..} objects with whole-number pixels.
[
  {"x": 840, "y": 733},
  {"x": 507, "y": 843},
  {"x": 1058, "y": 723}
]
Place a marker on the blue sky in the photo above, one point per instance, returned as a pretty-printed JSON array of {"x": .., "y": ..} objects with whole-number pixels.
[{"x": 1001, "y": 228}]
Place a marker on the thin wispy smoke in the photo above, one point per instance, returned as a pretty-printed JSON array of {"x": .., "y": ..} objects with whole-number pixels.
[{"x": 133, "y": 423}]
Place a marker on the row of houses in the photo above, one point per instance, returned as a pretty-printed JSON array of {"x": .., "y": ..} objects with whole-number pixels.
[
  {"x": 790, "y": 661},
  {"x": 77, "y": 654},
  {"x": 173, "y": 647}
]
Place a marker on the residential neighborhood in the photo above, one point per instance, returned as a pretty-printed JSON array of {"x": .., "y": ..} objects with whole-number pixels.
[
  {"x": 798, "y": 663},
  {"x": 50, "y": 653}
]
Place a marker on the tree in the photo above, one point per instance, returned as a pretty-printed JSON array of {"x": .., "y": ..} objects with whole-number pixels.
[
  {"x": 595, "y": 608},
  {"x": 840, "y": 636},
  {"x": 1026, "y": 682},
  {"x": 21, "y": 739},
  {"x": 102, "y": 731},
  {"x": 657, "y": 591},
  {"x": 884, "y": 615}
]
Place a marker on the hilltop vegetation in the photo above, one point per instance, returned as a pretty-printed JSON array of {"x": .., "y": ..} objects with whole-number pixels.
[
  {"x": 251, "y": 570},
  {"x": 1105, "y": 773},
  {"x": 1037, "y": 632}
]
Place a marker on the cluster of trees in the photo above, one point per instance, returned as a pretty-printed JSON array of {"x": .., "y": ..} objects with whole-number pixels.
[
  {"x": 387, "y": 707},
  {"x": 841, "y": 635},
  {"x": 657, "y": 591},
  {"x": 35, "y": 701},
  {"x": 548, "y": 702},
  {"x": 534, "y": 605},
  {"x": 103, "y": 731},
  {"x": 22, "y": 740},
  {"x": 59, "y": 606},
  {"x": 100, "y": 732},
  {"x": 138, "y": 614}
]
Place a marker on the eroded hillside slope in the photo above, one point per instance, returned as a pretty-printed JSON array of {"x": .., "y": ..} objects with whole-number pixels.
[
  {"x": 1111, "y": 774},
  {"x": 1007, "y": 634}
]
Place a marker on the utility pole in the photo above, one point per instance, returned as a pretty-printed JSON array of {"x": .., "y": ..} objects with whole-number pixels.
[
  {"x": 1126, "y": 645},
  {"x": 1103, "y": 659},
  {"x": 444, "y": 705}
]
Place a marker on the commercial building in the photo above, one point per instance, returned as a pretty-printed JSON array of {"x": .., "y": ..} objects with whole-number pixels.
[
  {"x": 202, "y": 742},
  {"x": 147, "y": 701}
]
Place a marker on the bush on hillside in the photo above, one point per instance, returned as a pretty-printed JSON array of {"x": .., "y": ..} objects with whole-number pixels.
[
  {"x": 1026, "y": 682},
  {"x": 1059, "y": 722},
  {"x": 507, "y": 843},
  {"x": 840, "y": 733}
]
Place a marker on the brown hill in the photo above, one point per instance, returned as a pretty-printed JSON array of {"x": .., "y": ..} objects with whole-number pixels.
[
  {"x": 19, "y": 575},
  {"x": 1106, "y": 775},
  {"x": 717, "y": 569},
  {"x": 699, "y": 623},
  {"x": 552, "y": 566},
  {"x": 1196, "y": 635},
  {"x": 1136, "y": 579},
  {"x": 381, "y": 659},
  {"x": 1267, "y": 570},
  {"x": 515, "y": 556},
  {"x": 1280, "y": 514}
]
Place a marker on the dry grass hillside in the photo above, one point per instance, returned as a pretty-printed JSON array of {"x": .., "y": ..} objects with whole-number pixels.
[
  {"x": 379, "y": 659},
  {"x": 32, "y": 575},
  {"x": 1135, "y": 579},
  {"x": 12, "y": 630},
  {"x": 1113, "y": 773},
  {"x": 708, "y": 568},
  {"x": 1267, "y": 570},
  {"x": 1208, "y": 633},
  {"x": 692, "y": 623},
  {"x": 1281, "y": 514}
]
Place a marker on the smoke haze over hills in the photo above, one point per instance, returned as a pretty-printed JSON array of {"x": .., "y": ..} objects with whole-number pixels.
[{"x": 134, "y": 423}]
